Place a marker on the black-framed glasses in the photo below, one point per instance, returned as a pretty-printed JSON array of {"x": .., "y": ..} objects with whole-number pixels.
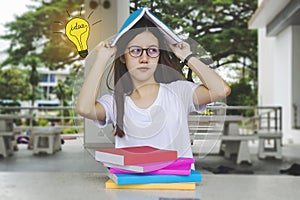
[{"x": 136, "y": 51}]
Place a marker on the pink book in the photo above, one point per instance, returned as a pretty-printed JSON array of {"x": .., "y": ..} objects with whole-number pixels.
[
  {"x": 182, "y": 166},
  {"x": 134, "y": 155}
]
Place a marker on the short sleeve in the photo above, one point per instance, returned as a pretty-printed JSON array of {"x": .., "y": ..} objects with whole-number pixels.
[
  {"x": 185, "y": 89},
  {"x": 194, "y": 107},
  {"x": 107, "y": 101}
]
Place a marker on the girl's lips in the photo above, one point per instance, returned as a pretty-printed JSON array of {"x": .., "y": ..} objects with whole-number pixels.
[{"x": 143, "y": 69}]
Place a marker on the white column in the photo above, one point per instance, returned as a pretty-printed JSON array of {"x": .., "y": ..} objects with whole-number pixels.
[{"x": 111, "y": 20}]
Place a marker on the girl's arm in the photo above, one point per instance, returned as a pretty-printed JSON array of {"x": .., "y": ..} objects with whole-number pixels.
[
  {"x": 214, "y": 88},
  {"x": 86, "y": 104}
]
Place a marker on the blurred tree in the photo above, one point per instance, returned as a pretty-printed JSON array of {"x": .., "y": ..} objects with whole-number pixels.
[
  {"x": 39, "y": 33},
  {"x": 37, "y": 39},
  {"x": 242, "y": 94},
  {"x": 219, "y": 26},
  {"x": 64, "y": 91},
  {"x": 12, "y": 84},
  {"x": 34, "y": 77}
]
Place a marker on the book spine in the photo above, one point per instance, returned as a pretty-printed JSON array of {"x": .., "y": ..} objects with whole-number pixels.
[
  {"x": 178, "y": 165},
  {"x": 170, "y": 186},
  {"x": 185, "y": 172},
  {"x": 108, "y": 157},
  {"x": 143, "y": 179}
]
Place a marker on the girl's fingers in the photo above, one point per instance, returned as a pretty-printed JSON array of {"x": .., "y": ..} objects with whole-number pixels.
[{"x": 180, "y": 45}]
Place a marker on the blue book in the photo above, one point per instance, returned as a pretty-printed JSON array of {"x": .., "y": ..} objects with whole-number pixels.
[
  {"x": 169, "y": 34},
  {"x": 122, "y": 179}
]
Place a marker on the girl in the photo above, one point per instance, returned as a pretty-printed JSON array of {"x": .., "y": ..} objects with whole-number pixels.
[{"x": 151, "y": 100}]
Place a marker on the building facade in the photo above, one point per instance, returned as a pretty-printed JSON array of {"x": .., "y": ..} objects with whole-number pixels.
[
  {"x": 49, "y": 80},
  {"x": 278, "y": 24}
]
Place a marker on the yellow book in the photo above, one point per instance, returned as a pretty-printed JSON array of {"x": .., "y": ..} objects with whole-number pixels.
[{"x": 152, "y": 186}]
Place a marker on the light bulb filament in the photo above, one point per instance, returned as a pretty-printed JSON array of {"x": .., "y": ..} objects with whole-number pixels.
[{"x": 80, "y": 37}]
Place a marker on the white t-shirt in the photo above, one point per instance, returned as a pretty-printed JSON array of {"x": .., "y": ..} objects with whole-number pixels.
[{"x": 164, "y": 124}]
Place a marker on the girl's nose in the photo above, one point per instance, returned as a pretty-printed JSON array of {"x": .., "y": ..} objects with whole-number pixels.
[{"x": 144, "y": 57}]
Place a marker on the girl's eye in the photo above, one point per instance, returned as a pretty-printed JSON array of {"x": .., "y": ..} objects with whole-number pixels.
[
  {"x": 136, "y": 50},
  {"x": 153, "y": 50}
]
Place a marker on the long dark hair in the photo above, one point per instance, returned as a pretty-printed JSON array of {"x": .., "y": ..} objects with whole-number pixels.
[{"x": 122, "y": 81}]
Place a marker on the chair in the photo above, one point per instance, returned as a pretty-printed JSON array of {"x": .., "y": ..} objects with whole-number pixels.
[
  {"x": 269, "y": 144},
  {"x": 46, "y": 140},
  {"x": 6, "y": 143}
]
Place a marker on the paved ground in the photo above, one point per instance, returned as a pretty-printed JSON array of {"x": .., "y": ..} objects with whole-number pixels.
[
  {"x": 270, "y": 166},
  {"x": 75, "y": 158}
]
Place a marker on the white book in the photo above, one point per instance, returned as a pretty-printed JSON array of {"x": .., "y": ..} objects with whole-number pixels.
[{"x": 141, "y": 168}]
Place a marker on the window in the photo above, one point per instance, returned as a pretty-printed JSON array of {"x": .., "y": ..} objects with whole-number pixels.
[
  {"x": 45, "y": 78},
  {"x": 52, "y": 78}
]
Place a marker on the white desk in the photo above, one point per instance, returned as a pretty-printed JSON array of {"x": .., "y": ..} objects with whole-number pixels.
[{"x": 64, "y": 186}]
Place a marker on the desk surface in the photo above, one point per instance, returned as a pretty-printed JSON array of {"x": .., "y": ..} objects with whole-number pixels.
[{"x": 61, "y": 186}]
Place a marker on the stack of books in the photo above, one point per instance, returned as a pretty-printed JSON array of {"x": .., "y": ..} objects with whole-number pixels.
[{"x": 146, "y": 167}]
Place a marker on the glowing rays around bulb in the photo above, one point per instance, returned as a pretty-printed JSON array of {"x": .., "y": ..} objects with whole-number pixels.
[{"x": 77, "y": 31}]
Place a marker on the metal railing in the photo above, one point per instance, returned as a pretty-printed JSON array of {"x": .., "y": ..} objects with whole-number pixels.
[
  {"x": 24, "y": 118},
  {"x": 267, "y": 118},
  {"x": 296, "y": 109},
  {"x": 255, "y": 118}
]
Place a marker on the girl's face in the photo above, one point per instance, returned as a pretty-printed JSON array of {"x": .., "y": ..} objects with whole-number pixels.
[{"x": 141, "y": 57}]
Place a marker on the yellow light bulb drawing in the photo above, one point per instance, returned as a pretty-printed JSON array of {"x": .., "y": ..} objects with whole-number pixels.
[{"x": 77, "y": 31}]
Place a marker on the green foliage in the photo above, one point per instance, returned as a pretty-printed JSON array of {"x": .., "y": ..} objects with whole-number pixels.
[
  {"x": 34, "y": 42},
  {"x": 12, "y": 84},
  {"x": 33, "y": 34},
  {"x": 70, "y": 131},
  {"x": 43, "y": 122},
  {"x": 220, "y": 26},
  {"x": 64, "y": 91},
  {"x": 242, "y": 94}
]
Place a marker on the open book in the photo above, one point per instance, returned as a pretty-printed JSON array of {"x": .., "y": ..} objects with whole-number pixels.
[{"x": 169, "y": 34}]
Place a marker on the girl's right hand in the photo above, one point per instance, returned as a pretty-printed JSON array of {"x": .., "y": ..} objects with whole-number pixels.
[{"x": 104, "y": 50}]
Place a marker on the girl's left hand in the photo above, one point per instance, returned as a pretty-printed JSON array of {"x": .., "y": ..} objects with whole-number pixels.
[{"x": 181, "y": 50}]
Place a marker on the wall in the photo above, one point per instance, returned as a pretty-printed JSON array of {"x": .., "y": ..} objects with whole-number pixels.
[
  {"x": 278, "y": 80},
  {"x": 283, "y": 79},
  {"x": 295, "y": 80},
  {"x": 265, "y": 69}
]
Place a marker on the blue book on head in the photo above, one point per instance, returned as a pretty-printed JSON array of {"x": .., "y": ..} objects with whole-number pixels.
[
  {"x": 121, "y": 179},
  {"x": 169, "y": 34}
]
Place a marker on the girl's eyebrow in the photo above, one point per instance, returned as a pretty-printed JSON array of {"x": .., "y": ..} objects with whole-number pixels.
[
  {"x": 133, "y": 45},
  {"x": 154, "y": 45}
]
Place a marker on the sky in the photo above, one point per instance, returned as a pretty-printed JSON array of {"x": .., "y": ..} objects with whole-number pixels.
[{"x": 7, "y": 13}]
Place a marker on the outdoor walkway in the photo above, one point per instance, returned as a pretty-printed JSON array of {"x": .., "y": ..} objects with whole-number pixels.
[
  {"x": 75, "y": 158},
  {"x": 268, "y": 166},
  {"x": 74, "y": 174},
  {"x": 72, "y": 158}
]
